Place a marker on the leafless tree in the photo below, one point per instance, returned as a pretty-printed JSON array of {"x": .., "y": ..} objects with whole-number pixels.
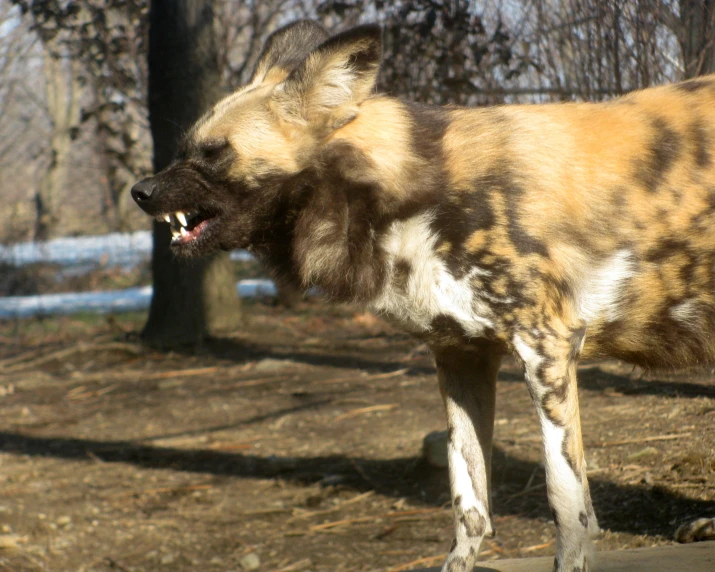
[
  {"x": 693, "y": 23},
  {"x": 24, "y": 122},
  {"x": 243, "y": 26},
  {"x": 111, "y": 43},
  {"x": 437, "y": 51},
  {"x": 63, "y": 95},
  {"x": 103, "y": 42},
  {"x": 595, "y": 49}
]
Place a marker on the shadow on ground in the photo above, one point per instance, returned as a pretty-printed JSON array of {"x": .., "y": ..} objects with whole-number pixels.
[
  {"x": 623, "y": 508},
  {"x": 590, "y": 378}
]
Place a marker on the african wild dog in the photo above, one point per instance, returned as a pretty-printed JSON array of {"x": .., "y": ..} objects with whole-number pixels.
[{"x": 551, "y": 232}]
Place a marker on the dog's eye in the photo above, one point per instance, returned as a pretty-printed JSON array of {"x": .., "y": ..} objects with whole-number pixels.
[{"x": 213, "y": 149}]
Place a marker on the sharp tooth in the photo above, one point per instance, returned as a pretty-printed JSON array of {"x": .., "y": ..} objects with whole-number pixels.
[
  {"x": 183, "y": 232},
  {"x": 181, "y": 217},
  {"x": 167, "y": 218},
  {"x": 175, "y": 234}
]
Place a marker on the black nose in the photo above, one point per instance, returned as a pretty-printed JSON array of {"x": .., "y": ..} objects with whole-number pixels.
[{"x": 142, "y": 191}]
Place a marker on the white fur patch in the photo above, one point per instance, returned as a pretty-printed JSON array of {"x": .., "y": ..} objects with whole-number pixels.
[
  {"x": 600, "y": 292},
  {"x": 528, "y": 355},
  {"x": 430, "y": 289},
  {"x": 464, "y": 436},
  {"x": 685, "y": 312},
  {"x": 461, "y": 481},
  {"x": 566, "y": 492}
]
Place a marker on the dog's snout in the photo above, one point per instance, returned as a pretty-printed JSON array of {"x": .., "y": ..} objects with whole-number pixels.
[{"x": 143, "y": 190}]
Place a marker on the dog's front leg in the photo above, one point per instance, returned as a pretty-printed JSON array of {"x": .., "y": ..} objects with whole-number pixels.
[
  {"x": 467, "y": 379},
  {"x": 550, "y": 364}
]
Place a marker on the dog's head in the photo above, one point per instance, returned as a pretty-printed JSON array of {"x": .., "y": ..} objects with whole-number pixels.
[{"x": 239, "y": 169}]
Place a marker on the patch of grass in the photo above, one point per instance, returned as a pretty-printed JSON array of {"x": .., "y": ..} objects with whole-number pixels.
[{"x": 28, "y": 331}]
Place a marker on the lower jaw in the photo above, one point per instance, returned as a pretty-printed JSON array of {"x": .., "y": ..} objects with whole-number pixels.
[{"x": 192, "y": 236}]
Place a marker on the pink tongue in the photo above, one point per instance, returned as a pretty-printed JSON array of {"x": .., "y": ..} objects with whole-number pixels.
[{"x": 194, "y": 233}]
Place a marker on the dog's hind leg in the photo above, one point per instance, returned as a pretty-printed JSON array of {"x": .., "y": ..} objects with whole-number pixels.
[{"x": 467, "y": 379}]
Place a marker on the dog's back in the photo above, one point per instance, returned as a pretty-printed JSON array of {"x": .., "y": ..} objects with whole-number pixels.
[{"x": 600, "y": 214}]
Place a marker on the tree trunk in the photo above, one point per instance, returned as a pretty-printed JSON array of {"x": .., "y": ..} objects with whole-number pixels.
[
  {"x": 116, "y": 145},
  {"x": 697, "y": 36},
  {"x": 192, "y": 299},
  {"x": 63, "y": 106}
]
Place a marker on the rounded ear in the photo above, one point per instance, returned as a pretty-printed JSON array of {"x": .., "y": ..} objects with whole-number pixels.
[
  {"x": 287, "y": 47},
  {"x": 334, "y": 79}
]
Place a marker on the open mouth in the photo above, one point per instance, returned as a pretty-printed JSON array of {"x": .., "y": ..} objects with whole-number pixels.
[{"x": 186, "y": 227}]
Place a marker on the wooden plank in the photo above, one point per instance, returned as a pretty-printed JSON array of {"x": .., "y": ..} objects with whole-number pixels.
[{"x": 697, "y": 557}]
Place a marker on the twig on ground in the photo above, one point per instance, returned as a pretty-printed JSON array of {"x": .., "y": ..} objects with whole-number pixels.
[
  {"x": 252, "y": 382},
  {"x": 311, "y": 514},
  {"x": 531, "y": 477},
  {"x": 94, "y": 457},
  {"x": 526, "y": 491},
  {"x": 493, "y": 547},
  {"x": 304, "y": 563},
  {"x": 356, "y": 412},
  {"x": 66, "y": 352},
  {"x": 180, "y": 373},
  {"x": 537, "y": 546},
  {"x": 38, "y": 352},
  {"x": 329, "y": 525},
  {"x": 141, "y": 375},
  {"x": 22, "y": 357},
  {"x": 420, "y": 561},
  {"x": 668, "y": 437},
  {"x": 178, "y": 489},
  {"x": 393, "y": 514},
  {"x": 362, "y": 377},
  {"x": 261, "y": 511},
  {"x": 79, "y": 393},
  {"x": 357, "y": 498},
  {"x": 416, "y": 511}
]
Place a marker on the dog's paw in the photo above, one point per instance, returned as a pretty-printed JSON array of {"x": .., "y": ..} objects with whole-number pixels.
[{"x": 696, "y": 531}]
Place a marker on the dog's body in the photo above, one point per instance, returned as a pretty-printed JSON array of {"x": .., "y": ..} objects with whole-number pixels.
[{"x": 551, "y": 232}]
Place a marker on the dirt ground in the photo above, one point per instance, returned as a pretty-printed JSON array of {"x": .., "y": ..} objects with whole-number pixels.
[{"x": 295, "y": 444}]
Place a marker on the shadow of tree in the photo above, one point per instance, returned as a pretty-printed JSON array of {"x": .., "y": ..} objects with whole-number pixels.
[
  {"x": 590, "y": 378},
  {"x": 595, "y": 379},
  {"x": 345, "y": 358},
  {"x": 624, "y": 508}
]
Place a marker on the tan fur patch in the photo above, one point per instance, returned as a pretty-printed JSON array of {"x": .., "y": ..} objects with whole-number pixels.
[{"x": 382, "y": 131}]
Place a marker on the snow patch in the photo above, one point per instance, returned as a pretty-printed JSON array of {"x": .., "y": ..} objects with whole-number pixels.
[{"x": 107, "y": 301}]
